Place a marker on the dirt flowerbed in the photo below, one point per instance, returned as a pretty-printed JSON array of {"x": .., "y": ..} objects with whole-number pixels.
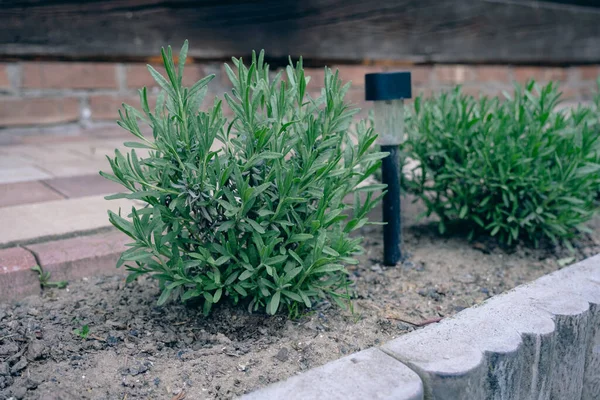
[{"x": 136, "y": 350}]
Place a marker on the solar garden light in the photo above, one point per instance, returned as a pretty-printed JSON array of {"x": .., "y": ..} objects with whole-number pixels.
[{"x": 388, "y": 90}]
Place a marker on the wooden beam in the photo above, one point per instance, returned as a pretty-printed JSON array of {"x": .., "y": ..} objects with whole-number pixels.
[{"x": 472, "y": 31}]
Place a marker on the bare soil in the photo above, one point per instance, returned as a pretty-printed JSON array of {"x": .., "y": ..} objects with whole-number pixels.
[{"x": 136, "y": 350}]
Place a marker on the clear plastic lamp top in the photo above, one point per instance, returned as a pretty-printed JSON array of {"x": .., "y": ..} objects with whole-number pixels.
[{"x": 388, "y": 90}]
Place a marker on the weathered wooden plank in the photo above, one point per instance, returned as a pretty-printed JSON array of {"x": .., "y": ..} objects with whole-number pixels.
[{"x": 410, "y": 30}]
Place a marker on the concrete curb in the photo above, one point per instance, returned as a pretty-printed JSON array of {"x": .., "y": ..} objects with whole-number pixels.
[
  {"x": 369, "y": 374},
  {"x": 16, "y": 278},
  {"x": 538, "y": 341}
]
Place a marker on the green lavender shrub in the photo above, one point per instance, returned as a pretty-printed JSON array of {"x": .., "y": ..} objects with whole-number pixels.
[
  {"x": 517, "y": 169},
  {"x": 249, "y": 209}
]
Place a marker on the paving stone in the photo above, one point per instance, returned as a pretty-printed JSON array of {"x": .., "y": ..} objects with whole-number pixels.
[
  {"x": 85, "y": 185},
  {"x": 12, "y": 194},
  {"x": 98, "y": 150},
  {"x": 22, "y": 174},
  {"x": 82, "y": 256},
  {"x": 16, "y": 278},
  {"x": 535, "y": 341},
  {"x": 69, "y": 135},
  {"x": 369, "y": 374},
  {"x": 60, "y": 169},
  {"x": 8, "y": 160},
  {"x": 57, "y": 217},
  {"x": 58, "y": 160},
  {"x": 42, "y": 154}
]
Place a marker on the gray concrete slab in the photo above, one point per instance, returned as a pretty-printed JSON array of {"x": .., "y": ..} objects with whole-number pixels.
[{"x": 369, "y": 374}]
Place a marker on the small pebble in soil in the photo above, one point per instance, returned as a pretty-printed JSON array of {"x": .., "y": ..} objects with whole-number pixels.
[
  {"x": 111, "y": 340},
  {"x": 116, "y": 325},
  {"x": 36, "y": 350},
  {"x": 33, "y": 312},
  {"x": 402, "y": 326},
  {"x": 31, "y": 384},
  {"x": 180, "y": 353},
  {"x": 149, "y": 348},
  {"x": 377, "y": 268},
  {"x": 8, "y": 349},
  {"x": 19, "y": 392},
  {"x": 19, "y": 366},
  {"x": 4, "y": 369},
  {"x": 431, "y": 292},
  {"x": 282, "y": 355}
]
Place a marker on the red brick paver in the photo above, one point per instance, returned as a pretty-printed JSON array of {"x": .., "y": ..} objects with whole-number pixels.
[
  {"x": 83, "y": 256},
  {"x": 12, "y": 194},
  {"x": 16, "y": 278},
  {"x": 81, "y": 186}
]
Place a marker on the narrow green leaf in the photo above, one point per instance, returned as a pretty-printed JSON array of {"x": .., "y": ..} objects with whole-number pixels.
[
  {"x": 274, "y": 303},
  {"x": 217, "y": 295},
  {"x": 138, "y": 145},
  {"x": 255, "y": 226},
  {"x": 164, "y": 296},
  {"x": 300, "y": 237},
  {"x": 245, "y": 275},
  {"x": 292, "y": 296}
]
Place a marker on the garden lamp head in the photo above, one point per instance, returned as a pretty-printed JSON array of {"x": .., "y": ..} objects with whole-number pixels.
[{"x": 388, "y": 90}]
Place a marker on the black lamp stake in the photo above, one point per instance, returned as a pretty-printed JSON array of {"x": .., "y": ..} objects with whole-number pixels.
[{"x": 388, "y": 91}]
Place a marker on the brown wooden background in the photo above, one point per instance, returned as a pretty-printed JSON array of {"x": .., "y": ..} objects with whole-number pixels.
[{"x": 422, "y": 31}]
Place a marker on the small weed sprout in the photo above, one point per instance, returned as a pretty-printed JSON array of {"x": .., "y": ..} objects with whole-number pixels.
[
  {"x": 44, "y": 277},
  {"x": 253, "y": 209},
  {"x": 83, "y": 331}
]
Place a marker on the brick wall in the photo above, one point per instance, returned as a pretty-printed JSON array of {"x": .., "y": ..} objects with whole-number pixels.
[{"x": 34, "y": 94}]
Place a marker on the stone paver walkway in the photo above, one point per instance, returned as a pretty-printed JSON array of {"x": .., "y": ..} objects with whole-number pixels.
[
  {"x": 52, "y": 208},
  {"x": 53, "y": 188}
]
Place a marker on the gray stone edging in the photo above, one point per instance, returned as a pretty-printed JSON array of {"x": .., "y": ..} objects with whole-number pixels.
[
  {"x": 538, "y": 341},
  {"x": 368, "y": 374}
]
